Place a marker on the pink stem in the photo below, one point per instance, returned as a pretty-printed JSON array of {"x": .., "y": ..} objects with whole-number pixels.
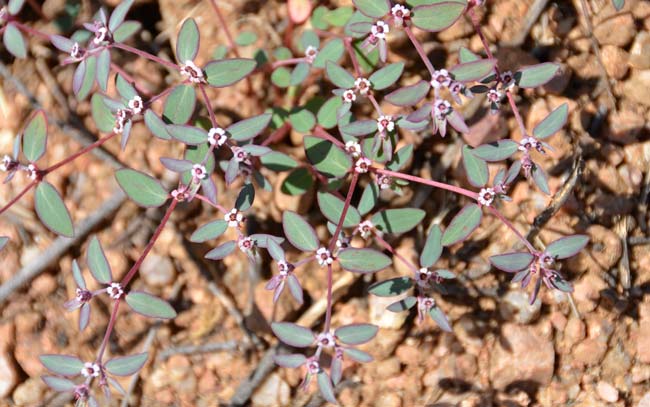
[
  {"x": 78, "y": 154},
  {"x": 394, "y": 252},
  {"x": 145, "y": 54},
  {"x": 348, "y": 47},
  {"x": 420, "y": 50},
  {"x": 30, "y": 30},
  {"x": 206, "y": 200},
  {"x": 436, "y": 184},
  {"x": 322, "y": 133},
  {"x": 208, "y": 105},
  {"x": 510, "y": 226},
  {"x": 290, "y": 61},
  {"x": 109, "y": 330},
  {"x": 222, "y": 23},
  {"x": 20, "y": 195}
]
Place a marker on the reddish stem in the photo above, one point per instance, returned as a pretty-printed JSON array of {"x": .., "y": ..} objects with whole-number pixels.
[
  {"x": 510, "y": 226},
  {"x": 78, "y": 154},
  {"x": 290, "y": 61},
  {"x": 109, "y": 330},
  {"x": 206, "y": 200},
  {"x": 394, "y": 253},
  {"x": 420, "y": 50},
  {"x": 129, "y": 78},
  {"x": 348, "y": 47},
  {"x": 277, "y": 134},
  {"x": 436, "y": 184},
  {"x": 30, "y": 30},
  {"x": 322, "y": 133},
  {"x": 208, "y": 105},
  {"x": 222, "y": 22},
  {"x": 20, "y": 195},
  {"x": 145, "y": 54},
  {"x": 125, "y": 281}
]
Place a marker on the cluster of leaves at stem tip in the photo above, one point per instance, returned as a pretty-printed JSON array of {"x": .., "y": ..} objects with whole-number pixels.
[{"x": 350, "y": 47}]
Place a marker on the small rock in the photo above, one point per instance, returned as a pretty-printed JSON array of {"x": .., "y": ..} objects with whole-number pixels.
[
  {"x": 43, "y": 285},
  {"x": 516, "y": 307},
  {"x": 645, "y": 400},
  {"x": 624, "y": 126},
  {"x": 607, "y": 392},
  {"x": 615, "y": 60},
  {"x": 636, "y": 87},
  {"x": 590, "y": 351},
  {"x": 643, "y": 342},
  {"x": 273, "y": 392},
  {"x": 640, "y": 51},
  {"x": 617, "y": 30},
  {"x": 389, "y": 399},
  {"x": 640, "y": 373},
  {"x": 522, "y": 354},
  {"x": 30, "y": 392},
  {"x": 8, "y": 375},
  {"x": 388, "y": 368},
  {"x": 157, "y": 271}
]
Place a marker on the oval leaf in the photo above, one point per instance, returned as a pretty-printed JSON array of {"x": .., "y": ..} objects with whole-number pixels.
[
  {"x": 462, "y": 225},
  {"x": 14, "y": 41},
  {"x": 331, "y": 207},
  {"x": 363, "y": 260},
  {"x": 291, "y": 361},
  {"x": 52, "y": 211},
  {"x": 62, "y": 364},
  {"x": 187, "y": 43},
  {"x": 300, "y": 233},
  {"x": 397, "y": 220},
  {"x": 179, "y": 105},
  {"x": 126, "y": 365},
  {"x": 391, "y": 288},
  {"x": 356, "y": 334},
  {"x": 536, "y": 75},
  {"x": 512, "y": 262},
  {"x": 386, "y": 76},
  {"x": 209, "y": 231},
  {"x": 473, "y": 71},
  {"x": 496, "y": 150},
  {"x": 149, "y": 305},
  {"x": 249, "y": 128},
  {"x": 409, "y": 95},
  {"x": 552, "y": 123},
  {"x": 432, "y": 247},
  {"x": 567, "y": 246},
  {"x": 141, "y": 188},
  {"x": 438, "y": 16},
  {"x": 293, "y": 334},
  {"x": 330, "y": 160},
  {"x": 440, "y": 318},
  {"x": 475, "y": 168},
  {"x": 226, "y": 72},
  {"x": 97, "y": 262},
  {"x": 35, "y": 137},
  {"x": 373, "y": 8}
]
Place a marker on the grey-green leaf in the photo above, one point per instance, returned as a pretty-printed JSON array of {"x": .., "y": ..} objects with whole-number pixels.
[
  {"x": 143, "y": 189},
  {"x": 227, "y": 72},
  {"x": 438, "y": 16},
  {"x": 462, "y": 225},
  {"x": 209, "y": 231},
  {"x": 247, "y": 129},
  {"x": 149, "y": 305},
  {"x": 567, "y": 246},
  {"x": 187, "y": 44},
  {"x": 180, "y": 104},
  {"x": 356, "y": 334},
  {"x": 409, "y": 95},
  {"x": 392, "y": 287},
  {"x": 536, "y": 75},
  {"x": 14, "y": 41},
  {"x": 339, "y": 76},
  {"x": 496, "y": 151},
  {"x": 363, "y": 260},
  {"x": 126, "y": 365},
  {"x": 332, "y": 207},
  {"x": 52, "y": 211},
  {"x": 386, "y": 76},
  {"x": 97, "y": 262},
  {"x": 552, "y": 123},
  {"x": 512, "y": 262},
  {"x": 476, "y": 168},
  {"x": 35, "y": 137},
  {"x": 373, "y": 8},
  {"x": 432, "y": 247},
  {"x": 293, "y": 334},
  {"x": 299, "y": 232},
  {"x": 397, "y": 220},
  {"x": 328, "y": 159}
]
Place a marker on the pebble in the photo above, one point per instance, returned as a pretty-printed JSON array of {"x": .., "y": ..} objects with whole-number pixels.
[
  {"x": 590, "y": 351},
  {"x": 8, "y": 374},
  {"x": 636, "y": 87},
  {"x": 615, "y": 60},
  {"x": 643, "y": 342},
  {"x": 640, "y": 51},
  {"x": 157, "y": 271},
  {"x": 619, "y": 30},
  {"x": 645, "y": 400},
  {"x": 516, "y": 307},
  {"x": 273, "y": 392},
  {"x": 30, "y": 392},
  {"x": 607, "y": 392},
  {"x": 522, "y": 354}
]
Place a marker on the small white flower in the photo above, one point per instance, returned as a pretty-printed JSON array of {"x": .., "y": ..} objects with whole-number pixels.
[
  {"x": 441, "y": 108},
  {"x": 324, "y": 257},
  {"x": 426, "y": 303},
  {"x": 380, "y": 29},
  {"x": 283, "y": 268},
  {"x": 384, "y": 181},
  {"x": 115, "y": 291},
  {"x": 362, "y": 165},
  {"x": 507, "y": 79},
  {"x": 217, "y": 136},
  {"x": 90, "y": 369},
  {"x": 199, "y": 171},
  {"x": 100, "y": 35},
  {"x": 245, "y": 244},
  {"x": 385, "y": 123},
  {"x": 120, "y": 120},
  {"x": 486, "y": 196},
  {"x": 353, "y": 148},
  {"x": 349, "y": 96},
  {"x": 313, "y": 367},
  {"x": 234, "y": 217},
  {"x": 240, "y": 154},
  {"x": 528, "y": 143},
  {"x": 6, "y": 163},
  {"x": 362, "y": 85},
  {"x": 494, "y": 96},
  {"x": 32, "y": 172},
  {"x": 422, "y": 277},
  {"x": 546, "y": 260},
  {"x": 400, "y": 13},
  {"x": 136, "y": 104},
  {"x": 311, "y": 53},
  {"x": 193, "y": 72},
  {"x": 76, "y": 52},
  {"x": 440, "y": 78},
  {"x": 365, "y": 228},
  {"x": 326, "y": 340},
  {"x": 179, "y": 194}
]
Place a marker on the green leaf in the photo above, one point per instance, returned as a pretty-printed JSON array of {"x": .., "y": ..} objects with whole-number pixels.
[
  {"x": 357, "y": 355},
  {"x": 409, "y": 95},
  {"x": 246, "y": 38},
  {"x": 14, "y": 41},
  {"x": 187, "y": 43},
  {"x": 209, "y": 231},
  {"x": 473, "y": 71},
  {"x": 339, "y": 16},
  {"x": 299, "y": 74},
  {"x": 103, "y": 68},
  {"x": 398, "y": 220},
  {"x": 618, "y": 4},
  {"x": 88, "y": 78},
  {"x": 298, "y": 182},
  {"x": 536, "y": 75},
  {"x": 59, "y": 384},
  {"x": 465, "y": 56},
  {"x": 332, "y": 207},
  {"x": 156, "y": 125},
  {"x": 339, "y": 76},
  {"x": 356, "y": 334},
  {"x": 363, "y": 260},
  {"x": 35, "y": 137},
  {"x": 278, "y": 161},
  {"x": 189, "y": 135},
  {"x": 149, "y": 305},
  {"x": 369, "y": 198},
  {"x": 400, "y": 158},
  {"x": 97, "y": 262},
  {"x": 359, "y": 128},
  {"x": 462, "y": 225},
  {"x": 126, "y": 30},
  {"x": 222, "y": 251},
  {"x": 567, "y": 246},
  {"x": 432, "y": 247},
  {"x": 332, "y": 51},
  {"x": 402, "y": 305},
  {"x": 15, "y": 6},
  {"x": 126, "y": 365},
  {"x": 325, "y": 387},
  {"x": 476, "y": 168},
  {"x": 62, "y": 364},
  {"x": 302, "y": 120},
  {"x": 512, "y": 262},
  {"x": 125, "y": 88},
  {"x": 141, "y": 188},
  {"x": 281, "y": 77},
  {"x": 373, "y": 8},
  {"x": 52, "y": 211},
  {"x": 327, "y": 113},
  {"x": 245, "y": 198},
  {"x": 552, "y": 123},
  {"x": 440, "y": 318},
  {"x": 247, "y": 129},
  {"x": 179, "y": 105},
  {"x": 102, "y": 115},
  {"x": 118, "y": 14},
  {"x": 3, "y": 241},
  {"x": 386, "y": 76},
  {"x": 496, "y": 151},
  {"x": 540, "y": 179},
  {"x": 227, "y": 72},
  {"x": 299, "y": 232},
  {"x": 390, "y": 288},
  {"x": 436, "y": 17},
  {"x": 328, "y": 159},
  {"x": 293, "y": 334}
]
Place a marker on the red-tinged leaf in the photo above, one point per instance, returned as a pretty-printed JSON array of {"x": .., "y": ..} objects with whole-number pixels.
[
  {"x": 512, "y": 262},
  {"x": 126, "y": 365},
  {"x": 14, "y": 41},
  {"x": 475, "y": 168},
  {"x": 209, "y": 231},
  {"x": 336, "y": 369},
  {"x": 299, "y": 233},
  {"x": 373, "y": 8},
  {"x": 567, "y": 246},
  {"x": 52, "y": 211},
  {"x": 291, "y": 361},
  {"x": 221, "y": 251},
  {"x": 247, "y": 129},
  {"x": 64, "y": 365},
  {"x": 392, "y": 287},
  {"x": 359, "y": 128},
  {"x": 226, "y": 72},
  {"x": 149, "y": 305},
  {"x": 409, "y": 95},
  {"x": 402, "y": 305},
  {"x": 59, "y": 383},
  {"x": 462, "y": 225},
  {"x": 438, "y": 16},
  {"x": 325, "y": 387},
  {"x": 356, "y": 334},
  {"x": 440, "y": 318},
  {"x": 328, "y": 159},
  {"x": 339, "y": 76},
  {"x": 398, "y": 220},
  {"x": 552, "y": 123},
  {"x": 473, "y": 71},
  {"x": 118, "y": 14},
  {"x": 540, "y": 178},
  {"x": 455, "y": 118},
  {"x": 84, "y": 316},
  {"x": 363, "y": 260},
  {"x": 294, "y": 288},
  {"x": 358, "y": 355},
  {"x": 35, "y": 136},
  {"x": 141, "y": 188},
  {"x": 78, "y": 277},
  {"x": 496, "y": 151},
  {"x": 331, "y": 207},
  {"x": 293, "y": 334},
  {"x": 97, "y": 262},
  {"x": 560, "y": 283},
  {"x": 536, "y": 75},
  {"x": 386, "y": 76},
  {"x": 187, "y": 44},
  {"x": 432, "y": 247}
]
